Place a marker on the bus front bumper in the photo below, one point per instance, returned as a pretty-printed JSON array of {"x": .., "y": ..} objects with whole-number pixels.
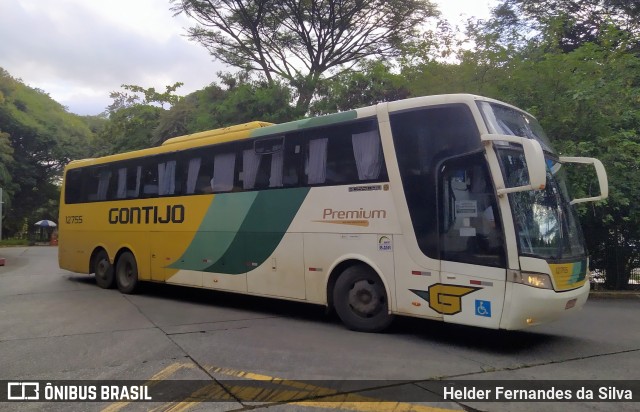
[{"x": 528, "y": 306}]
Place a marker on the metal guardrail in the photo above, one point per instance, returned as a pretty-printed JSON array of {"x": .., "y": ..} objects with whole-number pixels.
[{"x": 598, "y": 279}]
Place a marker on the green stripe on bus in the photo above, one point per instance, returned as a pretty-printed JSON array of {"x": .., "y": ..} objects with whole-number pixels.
[
  {"x": 304, "y": 124},
  {"x": 266, "y": 223},
  {"x": 219, "y": 227}
]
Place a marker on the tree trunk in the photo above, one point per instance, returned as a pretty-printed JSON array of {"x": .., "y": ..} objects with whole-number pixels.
[
  {"x": 617, "y": 264},
  {"x": 304, "y": 101}
]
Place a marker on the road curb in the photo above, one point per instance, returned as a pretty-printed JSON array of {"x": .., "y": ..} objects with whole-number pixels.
[{"x": 623, "y": 294}]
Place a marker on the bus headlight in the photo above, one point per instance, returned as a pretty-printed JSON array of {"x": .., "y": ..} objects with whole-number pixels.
[{"x": 537, "y": 280}]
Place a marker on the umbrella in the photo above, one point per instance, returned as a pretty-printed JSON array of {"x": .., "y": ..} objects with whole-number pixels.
[{"x": 45, "y": 223}]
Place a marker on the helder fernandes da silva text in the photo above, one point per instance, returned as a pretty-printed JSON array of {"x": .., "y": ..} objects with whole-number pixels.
[{"x": 609, "y": 393}]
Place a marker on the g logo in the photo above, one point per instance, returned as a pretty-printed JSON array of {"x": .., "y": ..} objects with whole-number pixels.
[{"x": 445, "y": 299}]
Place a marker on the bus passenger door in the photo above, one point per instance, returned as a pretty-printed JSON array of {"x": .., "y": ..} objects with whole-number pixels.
[{"x": 471, "y": 243}]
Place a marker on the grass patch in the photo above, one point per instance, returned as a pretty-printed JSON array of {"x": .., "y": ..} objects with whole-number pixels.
[{"x": 14, "y": 242}]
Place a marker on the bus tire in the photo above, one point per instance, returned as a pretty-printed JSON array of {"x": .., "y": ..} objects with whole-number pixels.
[
  {"x": 127, "y": 273},
  {"x": 103, "y": 270},
  {"x": 360, "y": 299}
]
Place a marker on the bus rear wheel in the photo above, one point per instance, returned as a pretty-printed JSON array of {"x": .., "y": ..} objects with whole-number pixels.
[
  {"x": 361, "y": 301},
  {"x": 103, "y": 270},
  {"x": 127, "y": 273}
]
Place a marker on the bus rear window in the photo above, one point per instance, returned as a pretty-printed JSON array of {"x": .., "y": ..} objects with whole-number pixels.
[{"x": 73, "y": 188}]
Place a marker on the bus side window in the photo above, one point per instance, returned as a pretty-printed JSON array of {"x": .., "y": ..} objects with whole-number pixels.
[
  {"x": 315, "y": 167},
  {"x": 341, "y": 167},
  {"x": 256, "y": 169},
  {"x": 345, "y": 154},
  {"x": 150, "y": 179},
  {"x": 292, "y": 162},
  {"x": 100, "y": 179},
  {"x": 134, "y": 178},
  {"x": 73, "y": 191},
  {"x": 180, "y": 176},
  {"x": 262, "y": 163},
  {"x": 470, "y": 230},
  {"x": 167, "y": 177},
  {"x": 128, "y": 186},
  {"x": 270, "y": 171},
  {"x": 193, "y": 166},
  {"x": 199, "y": 165},
  {"x": 367, "y": 151},
  {"x": 423, "y": 138},
  {"x": 224, "y": 167}
]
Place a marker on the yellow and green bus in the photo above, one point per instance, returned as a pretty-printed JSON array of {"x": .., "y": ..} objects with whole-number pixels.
[{"x": 450, "y": 207}]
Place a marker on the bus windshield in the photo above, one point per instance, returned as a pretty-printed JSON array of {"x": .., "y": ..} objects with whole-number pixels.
[{"x": 546, "y": 224}]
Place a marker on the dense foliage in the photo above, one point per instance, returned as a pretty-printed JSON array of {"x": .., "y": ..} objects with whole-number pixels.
[
  {"x": 574, "y": 65},
  {"x": 300, "y": 41},
  {"x": 37, "y": 138}
]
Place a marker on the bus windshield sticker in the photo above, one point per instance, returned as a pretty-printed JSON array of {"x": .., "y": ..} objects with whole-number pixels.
[
  {"x": 467, "y": 231},
  {"x": 466, "y": 208}
]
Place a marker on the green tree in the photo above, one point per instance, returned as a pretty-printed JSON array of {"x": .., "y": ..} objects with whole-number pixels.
[
  {"x": 137, "y": 95},
  {"x": 238, "y": 100},
  {"x": 301, "y": 41},
  {"x": 43, "y": 137},
  {"x": 374, "y": 82},
  {"x": 574, "y": 23},
  {"x": 598, "y": 115},
  {"x": 95, "y": 123},
  {"x": 129, "y": 128},
  {"x": 477, "y": 62},
  {"x": 6, "y": 164},
  {"x": 6, "y": 159},
  {"x": 248, "y": 100},
  {"x": 133, "y": 116},
  {"x": 586, "y": 97}
]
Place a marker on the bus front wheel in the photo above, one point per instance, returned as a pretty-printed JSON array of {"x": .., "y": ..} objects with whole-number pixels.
[
  {"x": 360, "y": 300},
  {"x": 127, "y": 273},
  {"x": 103, "y": 270}
]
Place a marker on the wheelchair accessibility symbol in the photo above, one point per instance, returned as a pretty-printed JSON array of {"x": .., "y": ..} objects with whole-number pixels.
[{"x": 483, "y": 308}]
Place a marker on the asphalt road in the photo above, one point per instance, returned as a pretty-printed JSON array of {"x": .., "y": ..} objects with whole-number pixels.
[{"x": 58, "y": 325}]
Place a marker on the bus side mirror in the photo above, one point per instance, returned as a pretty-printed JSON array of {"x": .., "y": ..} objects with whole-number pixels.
[
  {"x": 534, "y": 156},
  {"x": 601, "y": 173}
]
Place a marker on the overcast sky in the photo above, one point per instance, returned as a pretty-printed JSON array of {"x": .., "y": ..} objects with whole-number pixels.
[{"x": 79, "y": 51}]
